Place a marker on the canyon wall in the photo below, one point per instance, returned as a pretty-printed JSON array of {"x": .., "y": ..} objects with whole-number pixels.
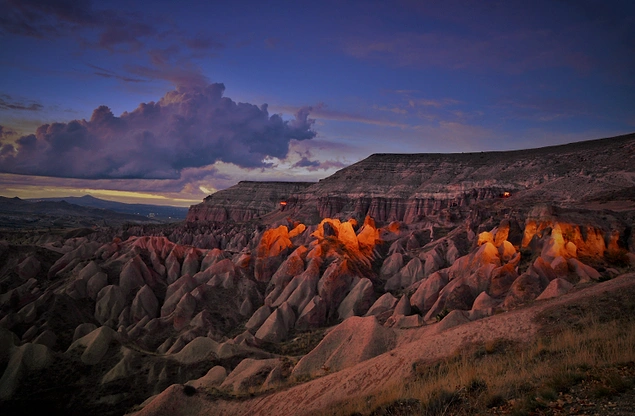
[
  {"x": 437, "y": 187},
  {"x": 246, "y": 200}
]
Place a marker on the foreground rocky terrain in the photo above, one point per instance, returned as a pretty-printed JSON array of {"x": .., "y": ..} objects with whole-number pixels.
[{"x": 258, "y": 307}]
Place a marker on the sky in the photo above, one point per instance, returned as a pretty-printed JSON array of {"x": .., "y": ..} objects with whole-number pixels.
[{"x": 171, "y": 102}]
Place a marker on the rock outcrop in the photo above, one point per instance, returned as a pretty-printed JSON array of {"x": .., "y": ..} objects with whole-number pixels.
[{"x": 247, "y": 200}]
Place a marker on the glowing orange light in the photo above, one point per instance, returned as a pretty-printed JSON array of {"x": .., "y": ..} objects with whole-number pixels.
[
  {"x": 506, "y": 194},
  {"x": 283, "y": 203}
]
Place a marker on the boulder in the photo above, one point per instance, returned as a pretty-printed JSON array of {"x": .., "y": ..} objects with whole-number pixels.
[
  {"x": 198, "y": 350},
  {"x": 249, "y": 374},
  {"x": 186, "y": 281},
  {"x": 29, "y": 268},
  {"x": 95, "y": 284},
  {"x": 313, "y": 315},
  {"x": 83, "y": 329},
  {"x": 466, "y": 265},
  {"x": 95, "y": 344},
  {"x": 428, "y": 291},
  {"x": 271, "y": 250},
  {"x": 24, "y": 359},
  {"x": 173, "y": 267},
  {"x": 190, "y": 263},
  {"x": 258, "y": 318},
  {"x": 433, "y": 261},
  {"x": 409, "y": 274},
  {"x": 351, "y": 342},
  {"x": 213, "y": 378},
  {"x": 123, "y": 369},
  {"x": 133, "y": 275},
  {"x": 543, "y": 269},
  {"x": 527, "y": 287},
  {"x": 47, "y": 338},
  {"x": 358, "y": 300},
  {"x": 584, "y": 272},
  {"x": 211, "y": 257},
  {"x": 556, "y": 287},
  {"x": 306, "y": 286},
  {"x": 502, "y": 279},
  {"x": 385, "y": 303},
  {"x": 275, "y": 328},
  {"x": 560, "y": 267},
  {"x": 110, "y": 302},
  {"x": 392, "y": 264},
  {"x": 460, "y": 297},
  {"x": 184, "y": 311},
  {"x": 403, "y": 307},
  {"x": 405, "y": 322},
  {"x": 292, "y": 266},
  {"x": 484, "y": 301},
  {"x": 145, "y": 303},
  {"x": 334, "y": 285},
  {"x": 454, "y": 318}
]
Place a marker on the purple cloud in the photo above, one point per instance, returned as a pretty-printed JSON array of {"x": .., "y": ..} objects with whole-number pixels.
[
  {"x": 313, "y": 165},
  {"x": 106, "y": 73},
  {"x": 511, "y": 37},
  {"x": 189, "y": 127},
  {"x": 7, "y": 103}
]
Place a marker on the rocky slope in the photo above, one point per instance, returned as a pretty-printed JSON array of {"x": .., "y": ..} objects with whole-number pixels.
[
  {"x": 246, "y": 201},
  {"x": 441, "y": 188},
  {"x": 247, "y": 307}
]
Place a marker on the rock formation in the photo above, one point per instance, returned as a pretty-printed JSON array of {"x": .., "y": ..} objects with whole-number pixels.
[{"x": 249, "y": 293}]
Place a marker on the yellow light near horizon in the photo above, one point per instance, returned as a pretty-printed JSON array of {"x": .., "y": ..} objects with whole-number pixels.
[
  {"x": 206, "y": 190},
  {"x": 109, "y": 194}
]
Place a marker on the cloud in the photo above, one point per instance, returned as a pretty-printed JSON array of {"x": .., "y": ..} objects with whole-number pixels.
[
  {"x": 190, "y": 127},
  {"x": 322, "y": 111},
  {"x": 271, "y": 43},
  {"x": 183, "y": 74},
  {"x": 306, "y": 163},
  {"x": 7, "y": 103},
  {"x": 106, "y": 73},
  {"x": 314, "y": 165},
  {"x": 509, "y": 37}
]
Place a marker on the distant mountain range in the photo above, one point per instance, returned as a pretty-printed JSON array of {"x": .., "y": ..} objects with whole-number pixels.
[
  {"x": 157, "y": 212},
  {"x": 86, "y": 211}
]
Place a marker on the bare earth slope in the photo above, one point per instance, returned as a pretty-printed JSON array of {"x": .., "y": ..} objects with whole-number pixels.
[{"x": 381, "y": 372}]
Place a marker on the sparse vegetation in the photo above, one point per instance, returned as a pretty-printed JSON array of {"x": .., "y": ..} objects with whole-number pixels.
[
  {"x": 442, "y": 315},
  {"x": 520, "y": 378}
]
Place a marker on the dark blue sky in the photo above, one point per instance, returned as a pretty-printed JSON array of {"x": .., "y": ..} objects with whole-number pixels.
[{"x": 122, "y": 99}]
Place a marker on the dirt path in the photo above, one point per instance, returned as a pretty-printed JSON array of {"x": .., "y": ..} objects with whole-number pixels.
[{"x": 379, "y": 373}]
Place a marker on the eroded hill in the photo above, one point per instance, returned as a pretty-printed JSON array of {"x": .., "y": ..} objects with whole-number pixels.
[{"x": 302, "y": 313}]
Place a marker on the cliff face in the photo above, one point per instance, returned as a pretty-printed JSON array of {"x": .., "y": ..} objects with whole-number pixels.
[
  {"x": 246, "y": 200},
  {"x": 412, "y": 187},
  {"x": 439, "y": 187}
]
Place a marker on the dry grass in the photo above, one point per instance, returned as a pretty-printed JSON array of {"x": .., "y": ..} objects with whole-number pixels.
[{"x": 479, "y": 377}]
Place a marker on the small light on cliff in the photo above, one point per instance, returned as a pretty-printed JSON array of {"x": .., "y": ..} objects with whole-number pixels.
[
  {"x": 283, "y": 203},
  {"x": 506, "y": 194}
]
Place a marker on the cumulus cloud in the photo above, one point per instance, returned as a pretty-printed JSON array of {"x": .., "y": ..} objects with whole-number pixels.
[{"x": 189, "y": 127}]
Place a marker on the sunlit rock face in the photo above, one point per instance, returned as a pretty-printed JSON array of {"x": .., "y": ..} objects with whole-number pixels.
[{"x": 247, "y": 200}]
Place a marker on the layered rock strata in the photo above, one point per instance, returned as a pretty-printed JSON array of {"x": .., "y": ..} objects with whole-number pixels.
[
  {"x": 247, "y": 200},
  {"x": 438, "y": 187}
]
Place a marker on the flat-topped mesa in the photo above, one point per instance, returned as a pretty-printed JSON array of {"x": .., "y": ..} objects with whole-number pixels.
[
  {"x": 247, "y": 200},
  {"x": 440, "y": 188},
  {"x": 411, "y": 187}
]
